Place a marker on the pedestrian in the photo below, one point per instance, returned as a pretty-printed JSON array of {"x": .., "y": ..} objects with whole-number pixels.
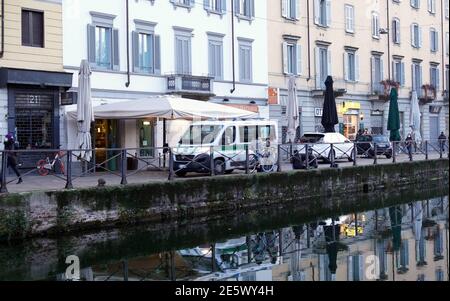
[
  {"x": 409, "y": 143},
  {"x": 10, "y": 145},
  {"x": 442, "y": 138}
]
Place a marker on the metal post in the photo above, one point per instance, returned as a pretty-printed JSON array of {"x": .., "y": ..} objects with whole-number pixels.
[
  {"x": 213, "y": 258},
  {"x": 410, "y": 154},
  {"x": 426, "y": 149},
  {"x": 308, "y": 237},
  {"x": 441, "y": 145},
  {"x": 247, "y": 171},
  {"x": 69, "y": 170},
  {"x": 3, "y": 189},
  {"x": 249, "y": 248},
  {"x": 394, "y": 152},
  {"x": 307, "y": 155},
  {"x": 171, "y": 173},
  {"x": 355, "y": 153},
  {"x": 124, "y": 167},
  {"x": 375, "y": 157},
  {"x": 356, "y": 224},
  {"x": 280, "y": 242},
  {"x": 125, "y": 270},
  {"x": 279, "y": 159},
  {"x": 332, "y": 155},
  {"x": 211, "y": 160}
]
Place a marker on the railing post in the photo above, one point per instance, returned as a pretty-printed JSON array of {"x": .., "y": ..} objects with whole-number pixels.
[
  {"x": 247, "y": 171},
  {"x": 394, "y": 152},
  {"x": 124, "y": 167},
  {"x": 211, "y": 160},
  {"x": 441, "y": 146},
  {"x": 4, "y": 189},
  {"x": 332, "y": 155},
  {"x": 307, "y": 156},
  {"x": 375, "y": 157},
  {"x": 410, "y": 153},
  {"x": 171, "y": 173},
  {"x": 69, "y": 184},
  {"x": 279, "y": 169},
  {"x": 426, "y": 149},
  {"x": 355, "y": 153}
]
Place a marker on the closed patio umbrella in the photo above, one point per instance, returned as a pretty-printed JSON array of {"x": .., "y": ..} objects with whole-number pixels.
[
  {"x": 292, "y": 113},
  {"x": 394, "y": 117},
  {"x": 329, "y": 114},
  {"x": 85, "y": 115},
  {"x": 414, "y": 120}
]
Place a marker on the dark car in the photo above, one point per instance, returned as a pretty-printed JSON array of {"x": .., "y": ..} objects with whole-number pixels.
[{"x": 366, "y": 145}]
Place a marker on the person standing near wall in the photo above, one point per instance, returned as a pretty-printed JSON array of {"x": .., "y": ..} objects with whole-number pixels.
[{"x": 11, "y": 156}]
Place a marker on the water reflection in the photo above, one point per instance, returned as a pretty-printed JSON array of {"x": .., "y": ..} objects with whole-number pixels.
[{"x": 404, "y": 242}]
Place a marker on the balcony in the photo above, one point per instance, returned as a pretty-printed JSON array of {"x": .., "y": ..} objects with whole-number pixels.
[
  {"x": 381, "y": 90},
  {"x": 190, "y": 85},
  {"x": 427, "y": 94}
]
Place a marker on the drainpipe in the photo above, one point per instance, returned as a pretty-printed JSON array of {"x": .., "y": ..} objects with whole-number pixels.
[
  {"x": 232, "y": 47},
  {"x": 309, "y": 41},
  {"x": 127, "y": 84},
  {"x": 2, "y": 50},
  {"x": 388, "y": 28}
]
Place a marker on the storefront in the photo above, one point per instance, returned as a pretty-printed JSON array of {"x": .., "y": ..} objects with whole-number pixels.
[
  {"x": 34, "y": 109},
  {"x": 352, "y": 121}
]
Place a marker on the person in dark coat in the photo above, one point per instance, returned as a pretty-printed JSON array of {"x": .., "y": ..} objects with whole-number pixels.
[
  {"x": 409, "y": 144},
  {"x": 442, "y": 138},
  {"x": 11, "y": 156}
]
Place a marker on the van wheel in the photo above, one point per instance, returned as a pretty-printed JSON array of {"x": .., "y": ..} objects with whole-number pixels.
[
  {"x": 219, "y": 167},
  {"x": 229, "y": 171},
  {"x": 181, "y": 174}
]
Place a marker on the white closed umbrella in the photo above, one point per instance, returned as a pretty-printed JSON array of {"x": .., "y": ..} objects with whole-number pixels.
[
  {"x": 292, "y": 113},
  {"x": 85, "y": 112},
  {"x": 414, "y": 120},
  {"x": 417, "y": 216}
]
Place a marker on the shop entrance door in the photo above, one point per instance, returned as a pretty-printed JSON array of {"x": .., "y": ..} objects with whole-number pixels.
[
  {"x": 106, "y": 138},
  {"x": 350, "y": 126}
]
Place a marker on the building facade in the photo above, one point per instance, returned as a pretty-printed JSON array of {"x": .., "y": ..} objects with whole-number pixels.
[
  {"x": 142, "y": 48},
  {"x": 32, "y": 78},
  {"x": 364, "y": 46}
]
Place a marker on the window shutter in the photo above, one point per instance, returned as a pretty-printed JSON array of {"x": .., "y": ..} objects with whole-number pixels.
[
  {"x": 329, "y": 67},
  {"x": 356, "y": 67},
  {"x": 284, "y": 8},
  {"x": 189, "y": 56},
  {"x": 206, "y": 4},
  {"x": 192, "y": 3},
  {"x": 285, "y": 58},
  {"x": 317, "y": 12},
  {"x": 297, "y": 9},
  {"x": 412, "y": 36},
  {"x": 252, "y": 8},
  {"x": 299, "y": 59},
  {"x": 394, "y": 72},
  {"x": 26, "y": 35},
  {"x": 317, "y": 57},
  {"x": 115, "y": 52},
  {"x": 420, "y": 36},
  {"x": 157, "y": 54},
  {"x": 402, "y": 74},
  {"x": 91, "y": 43},
  {"x": 237, "y": 8},
  {"x": 346, "y": 70},
  {"x": 135, "y": 47},
  {"x": 413, "y": 78},
  {"x": 432, "y": 44},
  {"x": 397, "y": 28},
  {"x": 328, "y": 11},
  {"x": 381, "y": 69},
  {"x": 373, "y": 77},
  {"x": 437, "y": 80},
  {"x": 223, "y": 6}
]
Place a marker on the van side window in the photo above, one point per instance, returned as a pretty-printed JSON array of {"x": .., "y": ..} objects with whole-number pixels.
[
  {"x": 248, "y": 133},
  {"x": 267, "y": 131},
  {"x": 229, "y": 136}
]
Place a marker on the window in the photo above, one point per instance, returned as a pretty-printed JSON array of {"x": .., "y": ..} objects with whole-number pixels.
[
  {"x": 103, "y": 42},
  {"x": 323, "y": 66},
  {"x": 215, "y": 6},
  {"x": 183, "y": 56},
  {"x": 322, "y": 12},
  {"x": 434, "y": 40},
  {"x": 215, "y": 57},
  {"x": 396, "y": 31},
  {"x": 349, "y": 18},
  {"x": 245, "y": 60},
  {"x": 146, "y": 131},
  {"x": 146, "y": 49},
  {"x": 229, "y": 136},
  {"x": 415, "y": 3},
  {"x": 290, "y": 9},
  {"x": 398, "y": 70},
  {"x": 416, "y": 35},
  {"x": 183, "y": 3},
  {"x": 351, "y": 66},
  {"x": 432, "y": 6},
  {"x": 377, "y": 65},
  {"x": 434, "y": 76},
  {"x": 32, "y": 28},
  {"x": 375, "y": 25},
  {"x": 417, "y": 78},
  {"x": 292, "y": 58},
  {"x": 245, "y": 9}
]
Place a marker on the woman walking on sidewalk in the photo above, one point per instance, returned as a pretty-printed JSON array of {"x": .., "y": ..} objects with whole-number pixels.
[{"x": 11, "y": 156}]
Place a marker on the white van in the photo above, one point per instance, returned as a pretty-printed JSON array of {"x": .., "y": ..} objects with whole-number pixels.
[{"x": 228, "y": 139}]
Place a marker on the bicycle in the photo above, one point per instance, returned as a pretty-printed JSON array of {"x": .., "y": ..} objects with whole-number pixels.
[
  {"x": 262, "y": 160},
  {"x": 44, "y": 166}
]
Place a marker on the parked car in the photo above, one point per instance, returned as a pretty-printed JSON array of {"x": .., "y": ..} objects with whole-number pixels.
[
  {"x": 321, "y": 145},
  {"x": 366, "y": 145}
]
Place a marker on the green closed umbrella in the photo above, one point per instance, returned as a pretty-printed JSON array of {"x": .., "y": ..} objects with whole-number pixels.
[{"x": 394, "y": 116}]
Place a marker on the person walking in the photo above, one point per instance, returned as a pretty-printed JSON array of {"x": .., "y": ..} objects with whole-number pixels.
[
  {"x": 442, "y": 138},
  {"x": 11, "y": 156},
  {"x": 409, "y": 144}
]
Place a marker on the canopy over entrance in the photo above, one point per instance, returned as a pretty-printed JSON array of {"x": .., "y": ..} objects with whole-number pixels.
[{"x": 167, "y": 107}]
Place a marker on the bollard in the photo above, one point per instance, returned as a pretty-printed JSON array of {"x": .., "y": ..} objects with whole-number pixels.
[
  {"x": 211, "y": 160},
  {"x": 332, "y": 155},
  {"x": 124, "y": 167},
  {"x": 394, "y": 152},
  {"x": 307, "y": 156},
  {"x": 355, "y": 153},
  {"x": 3, "y": 189},
  {"x": 426, "y": 149},
  {"x": 279, "y": 158},
  {"x": 247, "y": 171},
  {"x": 375, "y": 157},
  {"x": 69, "y": 184},
  {"x": 171, "y": 173}
]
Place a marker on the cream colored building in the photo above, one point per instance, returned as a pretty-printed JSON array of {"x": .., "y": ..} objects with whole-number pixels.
[
  {"x": 360, "y": 43},
  {"x": 32, "y": 78}
]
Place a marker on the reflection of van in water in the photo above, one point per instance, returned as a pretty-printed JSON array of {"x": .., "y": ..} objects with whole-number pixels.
[{"x": 228, "y": 139}]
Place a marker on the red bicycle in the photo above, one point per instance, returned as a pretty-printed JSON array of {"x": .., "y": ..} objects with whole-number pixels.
[{"x": 45, "y": 166}]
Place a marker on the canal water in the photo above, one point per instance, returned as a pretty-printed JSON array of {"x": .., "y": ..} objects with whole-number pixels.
[{"x": 405, "y": 241}]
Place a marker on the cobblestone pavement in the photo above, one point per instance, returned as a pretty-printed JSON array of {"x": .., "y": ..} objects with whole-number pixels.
[{"x": 34, "y": 182}]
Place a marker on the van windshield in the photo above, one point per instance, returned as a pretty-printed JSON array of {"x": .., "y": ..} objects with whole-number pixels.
[{"x": 200, "y": 134}]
